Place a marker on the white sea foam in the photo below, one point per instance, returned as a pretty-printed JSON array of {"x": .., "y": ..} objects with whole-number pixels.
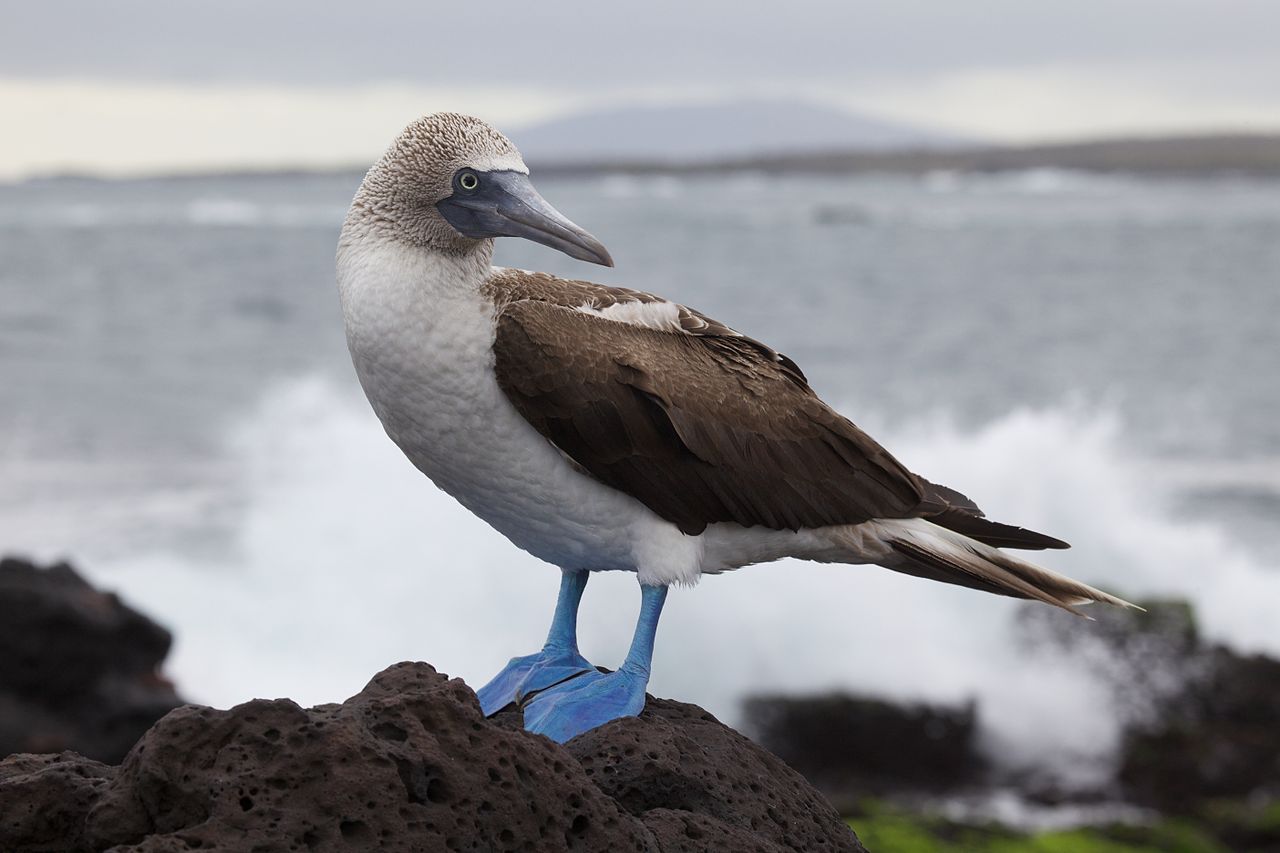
[
  {"x": 219, "y": 211},
  {"x": 347, "y": 560},
  {"x": 1038, "y": 181},
  {"x": 213, "y": 211},
  {"x": 624, "y": 186},
  {"x": 224, "y": 211}
]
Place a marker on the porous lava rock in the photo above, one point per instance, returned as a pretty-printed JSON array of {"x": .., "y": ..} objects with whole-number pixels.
[
  {"x": 1218, "y": 739},
  {"x": 1201, "y": 721},
  {"x": 854, "y": 747},
  {"x": 411, "y": 764},
  {"x": 693, "y": 779},
  {"x": 79, "y": 669}
]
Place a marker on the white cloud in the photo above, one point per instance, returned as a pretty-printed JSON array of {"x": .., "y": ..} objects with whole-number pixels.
[
  {"x": 122, "y": 128},
  {"x": 128, "y": 128},
  {"x": 1064, "y": 102}
]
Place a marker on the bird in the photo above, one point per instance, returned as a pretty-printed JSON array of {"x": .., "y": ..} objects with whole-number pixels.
[{"x": 601, "y": 428}]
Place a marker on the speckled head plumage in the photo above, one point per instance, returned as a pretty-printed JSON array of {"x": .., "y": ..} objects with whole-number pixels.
[
  {"x": 417, "y": 170},
  {"x": 450, "y": 183},
  {"x": 430, "y": 150}
]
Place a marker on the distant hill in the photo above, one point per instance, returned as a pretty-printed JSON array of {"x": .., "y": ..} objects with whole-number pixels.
[
  {"x": 1254, "y": 154},
  {"x": 1205, "y": 156},
  {"x": 712, "y": 131}
]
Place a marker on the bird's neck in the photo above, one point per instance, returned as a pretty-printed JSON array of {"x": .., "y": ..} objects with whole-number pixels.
[
  {"x": 376, "y": 254},
  {"x": 413, "y": 314},
  {"x": 404, "y": 304}
]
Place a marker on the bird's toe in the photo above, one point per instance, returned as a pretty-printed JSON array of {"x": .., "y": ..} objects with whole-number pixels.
[
  {"x": 525, "y": 676},
  {"x": 567, "y": 710}
]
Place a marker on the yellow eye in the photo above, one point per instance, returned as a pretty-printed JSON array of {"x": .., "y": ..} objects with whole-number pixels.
[{"x": 468, "y": 181}]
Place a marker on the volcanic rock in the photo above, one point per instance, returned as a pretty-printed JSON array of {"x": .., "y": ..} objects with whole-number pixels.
[
  {"x": 79, "y": 669},
  {"x": 1219, "y": 738},
  {"x": 1202, "y": 722},
  {"x": 411, "y": 764},
  {"x": 853, "y": 747}
]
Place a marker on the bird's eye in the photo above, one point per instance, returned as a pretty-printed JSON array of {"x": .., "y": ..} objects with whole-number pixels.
[{"x": 468, "y": 181}]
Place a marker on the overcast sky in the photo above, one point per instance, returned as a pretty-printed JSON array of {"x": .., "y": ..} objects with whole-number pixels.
[{"x": 141, "y": 84}]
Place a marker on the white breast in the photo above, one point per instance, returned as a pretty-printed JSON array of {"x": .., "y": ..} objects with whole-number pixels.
[{"x": 421, "y": 337}]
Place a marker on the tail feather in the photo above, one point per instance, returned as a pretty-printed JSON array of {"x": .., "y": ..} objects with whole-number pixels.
[
  {"x": 919, "y": 547},
  {"x": 994, "y": 533},
  {"x": 958, "y": 512}
]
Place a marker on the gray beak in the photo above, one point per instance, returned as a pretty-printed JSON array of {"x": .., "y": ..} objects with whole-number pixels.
[{"x": 505, "y": 204}]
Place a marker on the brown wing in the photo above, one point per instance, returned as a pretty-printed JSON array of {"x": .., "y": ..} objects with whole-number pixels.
[
  {"x": 510, "y": 285},
  {"x": 700, "y": 422},
  {"x": 700, "y": 429}
]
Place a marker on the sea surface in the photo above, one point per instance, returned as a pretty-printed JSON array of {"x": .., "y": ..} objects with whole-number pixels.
[{"x": 1095, "y": 357}]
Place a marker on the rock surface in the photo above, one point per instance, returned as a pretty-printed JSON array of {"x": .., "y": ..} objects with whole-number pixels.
[
  {"x": 1201, "y": 722},
  {"x": 78, "y": 668},
  {"x": 1199, "y": 733},
  {"x": 410, "y": 763},
  {"x": 853, "y": 747},
  {"x": 1219, "y": 739}
]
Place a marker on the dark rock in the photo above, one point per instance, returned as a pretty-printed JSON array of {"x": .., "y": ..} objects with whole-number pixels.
[
  {"x": 1218, "y": 738},
  {"x": 1202, "y": 723},
  {"x": 80, "y": 668},
  {"x": 1144, "y": 657},
  {"x": 852, "y": 747},
  {"x": 410, "y": 763},
  {"x": 686, "y": 773},
  {"x": 46, "y": 798}
]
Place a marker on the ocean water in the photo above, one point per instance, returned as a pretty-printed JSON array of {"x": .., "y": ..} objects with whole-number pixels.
[{"x": 1095, "y": 357}]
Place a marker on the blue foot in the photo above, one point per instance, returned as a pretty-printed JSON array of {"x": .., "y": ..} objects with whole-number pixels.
[
  {"x": 566, "y": 711},
  {"x": 524, "y": 676},
  {"x": 557, "y": 662},
  {"x": 593, "y": 699}
]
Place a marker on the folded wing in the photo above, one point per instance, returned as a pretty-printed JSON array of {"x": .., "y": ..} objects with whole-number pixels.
[{"x": 702, "y": 424}]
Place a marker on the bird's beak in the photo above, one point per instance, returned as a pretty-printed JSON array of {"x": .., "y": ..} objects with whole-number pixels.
[{"x": 505, "y": 204}]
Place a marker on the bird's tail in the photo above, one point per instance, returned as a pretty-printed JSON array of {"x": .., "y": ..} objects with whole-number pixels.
[{"x": 919, "y": 547}]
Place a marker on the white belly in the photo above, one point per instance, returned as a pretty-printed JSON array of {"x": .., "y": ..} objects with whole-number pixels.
[{"x": 425, "y": 361}]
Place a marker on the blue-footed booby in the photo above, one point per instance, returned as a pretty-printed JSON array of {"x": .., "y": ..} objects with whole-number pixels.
[{"x": 600, "y": 428}]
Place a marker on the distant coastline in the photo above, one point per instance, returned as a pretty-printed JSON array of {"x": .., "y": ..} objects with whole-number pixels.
[
  {"x": 1250, "y": 154},
  {"x": 1206, "y": 155}
]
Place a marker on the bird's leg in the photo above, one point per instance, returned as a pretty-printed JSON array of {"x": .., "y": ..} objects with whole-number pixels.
[
  {"x": 558, "y": 661},
  {"x": 593, "y": 699}
]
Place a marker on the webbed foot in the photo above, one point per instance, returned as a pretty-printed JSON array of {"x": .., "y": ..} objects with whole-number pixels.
[
  {"x": 524, "y": 676},
  {"x": 567, "y": 710}
]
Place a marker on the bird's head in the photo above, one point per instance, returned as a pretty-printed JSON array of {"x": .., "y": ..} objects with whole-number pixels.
[{"x": 450, "y": 181}]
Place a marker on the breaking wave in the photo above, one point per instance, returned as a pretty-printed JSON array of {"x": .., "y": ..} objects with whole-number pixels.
[
  {"x": 1037, "y": 181},
  {"x": 211, "y": 211}
]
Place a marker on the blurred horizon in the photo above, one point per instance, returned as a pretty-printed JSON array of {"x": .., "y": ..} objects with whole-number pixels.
[{"x": 147, "y": 87}]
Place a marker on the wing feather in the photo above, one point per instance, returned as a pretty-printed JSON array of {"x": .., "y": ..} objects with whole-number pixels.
[
  {"x": 701, "y": 430},
  {"x": 699, "y": 422}
]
